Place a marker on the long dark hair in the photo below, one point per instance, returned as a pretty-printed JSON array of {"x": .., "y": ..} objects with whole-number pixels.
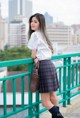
[{"x": 42, "y": 28}]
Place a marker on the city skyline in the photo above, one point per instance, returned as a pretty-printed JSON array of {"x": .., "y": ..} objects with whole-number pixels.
[
  {"x": 19, "y": 7},
  {"x": 61, "y": 10}
]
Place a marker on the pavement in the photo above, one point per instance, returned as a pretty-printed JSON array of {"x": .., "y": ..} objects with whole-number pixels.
[
  {"x": 75, "y": 114},
  {"x": 70, "y": 111}
]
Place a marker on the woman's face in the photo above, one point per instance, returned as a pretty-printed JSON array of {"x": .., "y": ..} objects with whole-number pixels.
[{"x": 34, "y": 24}]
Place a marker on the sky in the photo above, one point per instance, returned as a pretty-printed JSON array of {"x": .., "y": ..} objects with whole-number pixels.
[{"x": 66, "y": 11}]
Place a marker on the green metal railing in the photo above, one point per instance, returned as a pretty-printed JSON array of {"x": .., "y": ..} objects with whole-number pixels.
[{"x": 69, "y": 79}]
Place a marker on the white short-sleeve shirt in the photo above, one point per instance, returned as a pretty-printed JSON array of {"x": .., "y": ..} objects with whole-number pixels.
[{"x": 37, "y": 43}]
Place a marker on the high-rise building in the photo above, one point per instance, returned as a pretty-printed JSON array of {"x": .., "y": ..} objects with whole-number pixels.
[
  {"x": 27, "y": 8},
  {"x": 76, "y": 36},
  {"x": 18, "y": 32},
  {"x": 12, "y": 9},
  {"x": 48, "y": 19},
  {"x": 60, "y": 34},
  {"x": 20, "y": 7},
  {"x": 20, "y": 4},
  {"x": 3, "y": 31}
]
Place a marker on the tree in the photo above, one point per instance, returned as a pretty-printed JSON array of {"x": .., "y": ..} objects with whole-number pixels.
[{"x": 13, "y": 54}]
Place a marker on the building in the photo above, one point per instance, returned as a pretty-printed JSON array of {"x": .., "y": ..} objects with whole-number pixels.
[
  {"x": 75, "y": 27},
  {"x": 18, "y": 32},
  {"x": 12, "y": 9},
  {"x": 60, "y": 34},
  {"x": 3, "y": 31},
  {"x": 48, "y": 19},
  {"x": 76, "y": 35},
  {"x": 27, "y": 8},
  {"x": 19, "y": 7}
]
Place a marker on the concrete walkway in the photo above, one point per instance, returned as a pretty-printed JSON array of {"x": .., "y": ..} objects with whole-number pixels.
[
  {"x": 71, "y": 111},
  {"x": 75, "y": 114}
]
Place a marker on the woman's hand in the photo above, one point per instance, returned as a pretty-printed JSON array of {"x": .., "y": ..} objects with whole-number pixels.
[{"x": 36, "y": 60}]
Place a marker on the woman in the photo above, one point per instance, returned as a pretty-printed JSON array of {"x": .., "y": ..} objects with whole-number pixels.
[{"x": 42, "y": 51}]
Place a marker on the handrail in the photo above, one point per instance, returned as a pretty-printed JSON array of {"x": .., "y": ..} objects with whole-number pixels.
[{"x": 69, "y": 79}]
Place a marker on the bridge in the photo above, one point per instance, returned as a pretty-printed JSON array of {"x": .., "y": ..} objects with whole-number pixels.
[{"x": 25, "y": 104}]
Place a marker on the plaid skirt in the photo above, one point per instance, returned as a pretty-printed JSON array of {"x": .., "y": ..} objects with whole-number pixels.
[{"x": 48, "y": 80}]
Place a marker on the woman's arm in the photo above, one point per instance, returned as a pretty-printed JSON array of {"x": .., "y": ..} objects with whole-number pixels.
[{"x": 33, "y": 55}]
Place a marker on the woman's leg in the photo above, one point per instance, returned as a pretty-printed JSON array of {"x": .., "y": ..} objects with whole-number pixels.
[
  {"x": 54, "y": 98},
  {"x": 46, "y": 102}
]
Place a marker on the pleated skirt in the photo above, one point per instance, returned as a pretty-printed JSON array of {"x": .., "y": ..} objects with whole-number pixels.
[{"x": 48, "y": 79}]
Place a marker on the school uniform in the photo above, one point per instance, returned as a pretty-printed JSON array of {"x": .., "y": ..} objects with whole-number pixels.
[{"x": 48, "y": 80}]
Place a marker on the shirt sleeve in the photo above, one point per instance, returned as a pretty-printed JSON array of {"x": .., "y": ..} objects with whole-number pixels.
[{"x": 33, "y": 42}]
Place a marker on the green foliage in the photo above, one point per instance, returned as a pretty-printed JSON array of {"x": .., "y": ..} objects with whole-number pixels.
[{"x": 13, "y": 54}]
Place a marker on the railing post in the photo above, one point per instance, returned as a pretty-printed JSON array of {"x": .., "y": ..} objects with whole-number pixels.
[
  {"x": 22, "y": 91},
  {"x": 37, "y": 107},
  {"x": 69, "y": 80},
  {"x": 29, "y": 93},
  {"x": 79, "y": 78},
  {"x": 14, "y": 94},
  {"x": 64, "y": 82},
  {"x": 76, "y": 74},
  {"x": 4, "y": 97}
]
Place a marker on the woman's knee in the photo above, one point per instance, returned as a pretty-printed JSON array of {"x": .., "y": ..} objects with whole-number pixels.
[
  {"x": 53, "y": 97},
  {"x": 46, "y": 103}
]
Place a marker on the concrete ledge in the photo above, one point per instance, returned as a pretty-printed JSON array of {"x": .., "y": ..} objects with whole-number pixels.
[{"x": 75, "y": 104}]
